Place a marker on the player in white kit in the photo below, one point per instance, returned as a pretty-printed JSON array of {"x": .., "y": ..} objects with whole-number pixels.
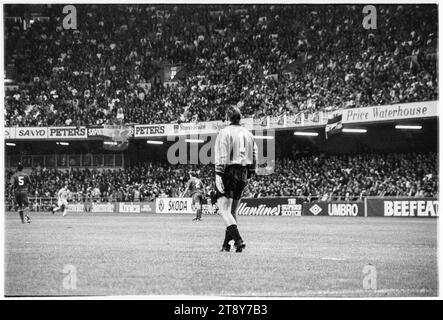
[{"x": 62, "y": 203}]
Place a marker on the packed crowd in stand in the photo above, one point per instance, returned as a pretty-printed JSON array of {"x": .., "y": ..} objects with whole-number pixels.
[
  {"x": 270, "y": 59},
  {"x": 321, "y": 177}
]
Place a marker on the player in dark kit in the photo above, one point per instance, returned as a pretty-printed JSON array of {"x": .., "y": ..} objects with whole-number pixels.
[
  {"x": 20, "y": 182},
  {"x": 235, "y": 161},
  {"x": 196, "y": 189}
]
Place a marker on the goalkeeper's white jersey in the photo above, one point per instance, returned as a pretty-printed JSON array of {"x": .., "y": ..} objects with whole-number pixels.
[{"x": 235, "y": 145}]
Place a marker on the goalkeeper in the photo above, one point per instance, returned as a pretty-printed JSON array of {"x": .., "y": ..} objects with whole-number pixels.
[{"x": 235, "y": 160}]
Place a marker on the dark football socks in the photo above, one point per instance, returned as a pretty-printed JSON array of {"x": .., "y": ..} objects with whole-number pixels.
[
  {"x": 227, "y": 239},
  {"x": 21, "y": 216},
  {"x": 233, "y": 231}
]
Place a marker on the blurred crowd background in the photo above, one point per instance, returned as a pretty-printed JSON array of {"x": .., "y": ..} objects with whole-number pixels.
[{"x": 269, "y": 59}]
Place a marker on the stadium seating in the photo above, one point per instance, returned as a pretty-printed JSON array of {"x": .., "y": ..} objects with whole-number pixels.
[
  {"x": 271, "y": 58},
  {"x": 315, "y": 177}
]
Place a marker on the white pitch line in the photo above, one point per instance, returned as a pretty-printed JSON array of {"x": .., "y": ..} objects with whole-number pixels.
[
  {"x": 361, "y": 291},
  {"x": 342, "y": 293},
  {"x": 333, "y": 259}
]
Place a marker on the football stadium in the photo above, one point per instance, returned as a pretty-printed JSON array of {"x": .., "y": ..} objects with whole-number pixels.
[{"x": 118, "y": 118}]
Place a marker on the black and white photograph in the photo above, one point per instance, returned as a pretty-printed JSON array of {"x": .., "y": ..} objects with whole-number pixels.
[{"x": 220, "y": 150}]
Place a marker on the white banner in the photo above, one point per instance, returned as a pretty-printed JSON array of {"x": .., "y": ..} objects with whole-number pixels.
[
  {"x": 67, "y": 133},
  {"x": 171, "y": 129},
  {"x": 147, "y": 207},
  {"x": 174, "y": 205},
  {"x": 76, "y": 207},
  {"x": 207, "y": 127},
  {"x": 31, "y": 133},
  {"x": 195, "y": 128},
  {"x": 152, "y": 130},
  {"x": 9, "y": 133},
  {"x": 390, "y": 112},
  {"x": 102, "y": 207},
  {"x": 415, "y": 110},
  {"x": 248, "y": 123},
  {"x": 128, "y": 207},
  {"x": 42, "y": 133}
]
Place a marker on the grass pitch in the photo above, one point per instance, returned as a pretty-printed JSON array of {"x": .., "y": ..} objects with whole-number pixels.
[{"x": 130, "y": 254}]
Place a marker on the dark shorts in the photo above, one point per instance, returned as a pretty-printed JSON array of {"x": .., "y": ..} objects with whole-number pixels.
[
  {"x": 21, "y": 199},
  {"x": 197, "y": 197},
  {"x": 234, "y": 180}
]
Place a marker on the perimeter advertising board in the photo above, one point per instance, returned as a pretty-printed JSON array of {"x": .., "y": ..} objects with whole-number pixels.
[
  {"x": 270, "y": 207},
  {"x": 402, "y": 207},
  {"x": 332, "y": 208}
]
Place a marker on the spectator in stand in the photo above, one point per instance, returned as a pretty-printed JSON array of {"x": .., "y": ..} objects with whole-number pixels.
[
  {"x": 315, "y": 177},
  {"x": 275, "y": 59}
]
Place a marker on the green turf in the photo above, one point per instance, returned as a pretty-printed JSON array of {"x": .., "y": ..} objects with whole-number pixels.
[{"x": 124, "y": 254}]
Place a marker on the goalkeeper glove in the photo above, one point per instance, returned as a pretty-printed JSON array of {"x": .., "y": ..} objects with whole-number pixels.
[{"x": 219, "y": 183}]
